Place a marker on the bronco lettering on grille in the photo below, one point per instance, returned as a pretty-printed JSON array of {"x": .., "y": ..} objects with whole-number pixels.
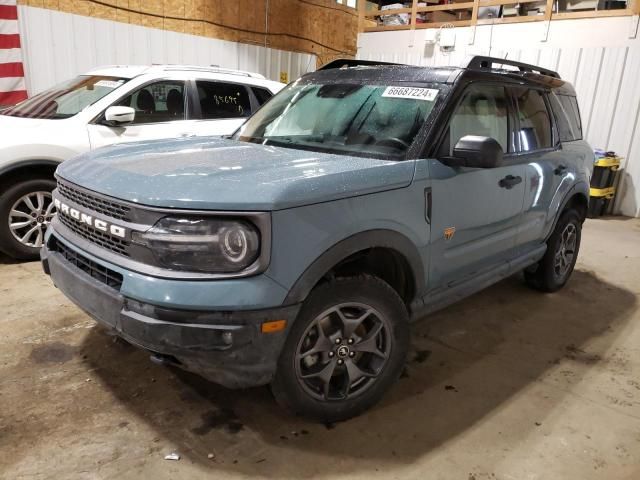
[{"x": 96, "y": 223}]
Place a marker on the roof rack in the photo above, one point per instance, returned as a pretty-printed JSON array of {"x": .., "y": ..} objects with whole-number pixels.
[
  {"x": 211, "y": 69},
  {"x": 482, "y": 63},
  {"x": 349, "y": 62}
]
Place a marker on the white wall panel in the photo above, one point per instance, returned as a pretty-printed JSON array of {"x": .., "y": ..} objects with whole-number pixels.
[
  {"x": 58, "y": 46},
  {"x": 601, "y": 57}
]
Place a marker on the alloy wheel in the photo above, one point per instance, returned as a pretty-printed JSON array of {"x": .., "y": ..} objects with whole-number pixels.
[
  {"x": 30, "y": 216},
  {"x": 565, "y": 251},
  {"x": 343, "y": 351}
]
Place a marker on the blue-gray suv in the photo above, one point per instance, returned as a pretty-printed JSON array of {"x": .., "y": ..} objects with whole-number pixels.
[{"x": 296, "y": 253}]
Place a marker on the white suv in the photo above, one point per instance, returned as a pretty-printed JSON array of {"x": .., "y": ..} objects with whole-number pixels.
[{"x": 106, "y": 106}]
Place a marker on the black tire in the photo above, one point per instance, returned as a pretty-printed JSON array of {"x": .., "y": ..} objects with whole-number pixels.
[
  {"x": 9, "y": 244},
  {"x": 352, "y": 298},
  {"x": 547, "y": 276}
]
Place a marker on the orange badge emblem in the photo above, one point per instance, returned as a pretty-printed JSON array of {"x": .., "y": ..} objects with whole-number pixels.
[{"x": 448, "y": 233}]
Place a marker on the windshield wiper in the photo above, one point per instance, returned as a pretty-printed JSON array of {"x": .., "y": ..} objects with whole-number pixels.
[{"x": 292, "y": 139}]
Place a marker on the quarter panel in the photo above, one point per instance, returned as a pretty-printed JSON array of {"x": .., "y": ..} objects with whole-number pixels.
[
  {"x": 579, "y": 157},
  {"x": 546, "y": 186}
]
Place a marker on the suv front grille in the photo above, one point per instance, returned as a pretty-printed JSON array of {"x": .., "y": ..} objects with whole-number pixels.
[
  {"x": 104, "y": 240},
  {"x": 105, "y": 207},
  {"x": 102, "y": 274}
]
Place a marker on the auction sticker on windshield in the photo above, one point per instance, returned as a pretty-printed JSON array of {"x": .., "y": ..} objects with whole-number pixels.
[
  {"x": 109, "y": 83},
  {"x": 426, "y": 94}
]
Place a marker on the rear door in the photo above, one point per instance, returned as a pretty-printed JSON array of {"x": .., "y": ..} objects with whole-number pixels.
[
  {"x": 549, "y": 172},
  {"x": 475, "y": 212},
  {"x": 221, "y": 107}
]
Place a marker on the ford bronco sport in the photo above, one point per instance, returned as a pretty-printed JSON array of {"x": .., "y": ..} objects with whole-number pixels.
[{"x": 360, "y": 197}]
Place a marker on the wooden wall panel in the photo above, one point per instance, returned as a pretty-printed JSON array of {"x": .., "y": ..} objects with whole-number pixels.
[{"x": 321, "y": 27}]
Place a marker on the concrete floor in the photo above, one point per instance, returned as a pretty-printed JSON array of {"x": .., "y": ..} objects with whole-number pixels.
[{"x": 509, "y": 384}]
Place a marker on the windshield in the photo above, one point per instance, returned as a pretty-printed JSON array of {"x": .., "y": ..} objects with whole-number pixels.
[
  {"x": 67, "y": 99},
  {"x": 372, "y": 120}
]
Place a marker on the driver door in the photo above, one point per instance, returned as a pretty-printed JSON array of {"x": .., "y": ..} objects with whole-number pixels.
[{"x": 476, "y": 213}]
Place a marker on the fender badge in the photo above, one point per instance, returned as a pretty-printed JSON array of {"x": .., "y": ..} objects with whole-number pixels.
[{"x": 448, "y": 233}]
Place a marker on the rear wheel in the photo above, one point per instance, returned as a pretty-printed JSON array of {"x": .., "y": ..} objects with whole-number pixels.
[
  {"x": 555, "y": 268},
  {"x": 26, "y": 209},
  {"x": 346, "y": 348}
]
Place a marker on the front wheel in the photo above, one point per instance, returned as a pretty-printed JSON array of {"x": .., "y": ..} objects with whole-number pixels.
[
  {"x": 26, "y": 209},
  {"x": 345, "y": 349},
  {"x": 555, "y": 268}
]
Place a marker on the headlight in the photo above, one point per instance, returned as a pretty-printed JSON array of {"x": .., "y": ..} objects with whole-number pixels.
[{"x": 202, "y": 244}]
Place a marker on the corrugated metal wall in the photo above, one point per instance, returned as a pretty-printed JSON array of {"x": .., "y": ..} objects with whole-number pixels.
[
  {"x": 58, "y": 46},
  {"x": 607, "y": 79}
]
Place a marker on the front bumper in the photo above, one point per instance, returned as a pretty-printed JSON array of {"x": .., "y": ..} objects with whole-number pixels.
[{"x": 226, "y": 347}]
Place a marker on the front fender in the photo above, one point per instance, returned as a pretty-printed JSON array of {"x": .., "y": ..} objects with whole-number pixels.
[
  {"x": 13, "y": 154},
  {"x": 347, "y": 247},
  {"x": 7, "y": 168},
  {"x": 308, "y": 241}
]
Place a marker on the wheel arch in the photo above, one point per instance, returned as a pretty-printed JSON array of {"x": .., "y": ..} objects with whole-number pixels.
[
  {"x": 384, "y": 253},
  {"x": 577, "y": 197},
  {"x": 26, "y": 170}
]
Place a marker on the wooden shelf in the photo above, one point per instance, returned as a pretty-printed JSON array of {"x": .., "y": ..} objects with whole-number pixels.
[
  {"x": 391, "y": 11},
  {"x": 497, "y": 3},
  {"x": 515, "y": 19},
  {"x": 593, "y": 14},
  {"x": 448, "y": 6},
  {"x": 455, "y": 23},
  {"x": 368, "y": 16}
]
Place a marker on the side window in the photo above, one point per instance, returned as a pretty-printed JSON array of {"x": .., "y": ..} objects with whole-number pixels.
[
  {"x": 483, "y": 111},
  {"x": 262, "y": 94},
  {"x": 223, "y": 100},
  {"x": 567, "y": 106},
  {"x": 158, "y": 102},
  {"x": 562, "y": 119},
  {"x": 535, "y": 124}
]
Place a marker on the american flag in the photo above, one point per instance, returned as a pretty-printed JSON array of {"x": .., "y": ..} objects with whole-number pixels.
[{"x": 12, "y": 86}]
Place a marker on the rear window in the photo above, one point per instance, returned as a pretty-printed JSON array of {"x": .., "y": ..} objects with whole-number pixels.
[
  {"x": 535, "y": 124},
  {"x": 223, "y": 100},
  {"x": 262, "y": 94},
  {"x": 565, "y": 110}
]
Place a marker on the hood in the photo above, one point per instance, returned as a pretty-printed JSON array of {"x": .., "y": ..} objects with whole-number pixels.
[{"x": 218, "y": 174}]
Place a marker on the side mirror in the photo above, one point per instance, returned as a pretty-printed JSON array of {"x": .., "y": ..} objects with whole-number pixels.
[
  {"x": 478, "y": 152},
  {"x": 116, "y": 116}
]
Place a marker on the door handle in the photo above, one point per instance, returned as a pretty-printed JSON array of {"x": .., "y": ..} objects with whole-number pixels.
[
  {"x": 509, "y": 181},
  {"x": 560, "y": 169}
]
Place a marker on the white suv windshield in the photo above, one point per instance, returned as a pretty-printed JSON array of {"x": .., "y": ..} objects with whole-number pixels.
[
  {"x": 67, "y": 99},
  {"x": 376, "y": 120}
]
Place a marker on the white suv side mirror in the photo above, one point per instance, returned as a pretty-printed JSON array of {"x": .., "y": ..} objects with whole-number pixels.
[{"x": 119, "y": 115}]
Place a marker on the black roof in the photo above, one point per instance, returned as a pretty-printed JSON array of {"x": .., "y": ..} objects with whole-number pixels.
[
  {"x": 479, "y": 67},
  {"x": 370, "y": 72}
]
